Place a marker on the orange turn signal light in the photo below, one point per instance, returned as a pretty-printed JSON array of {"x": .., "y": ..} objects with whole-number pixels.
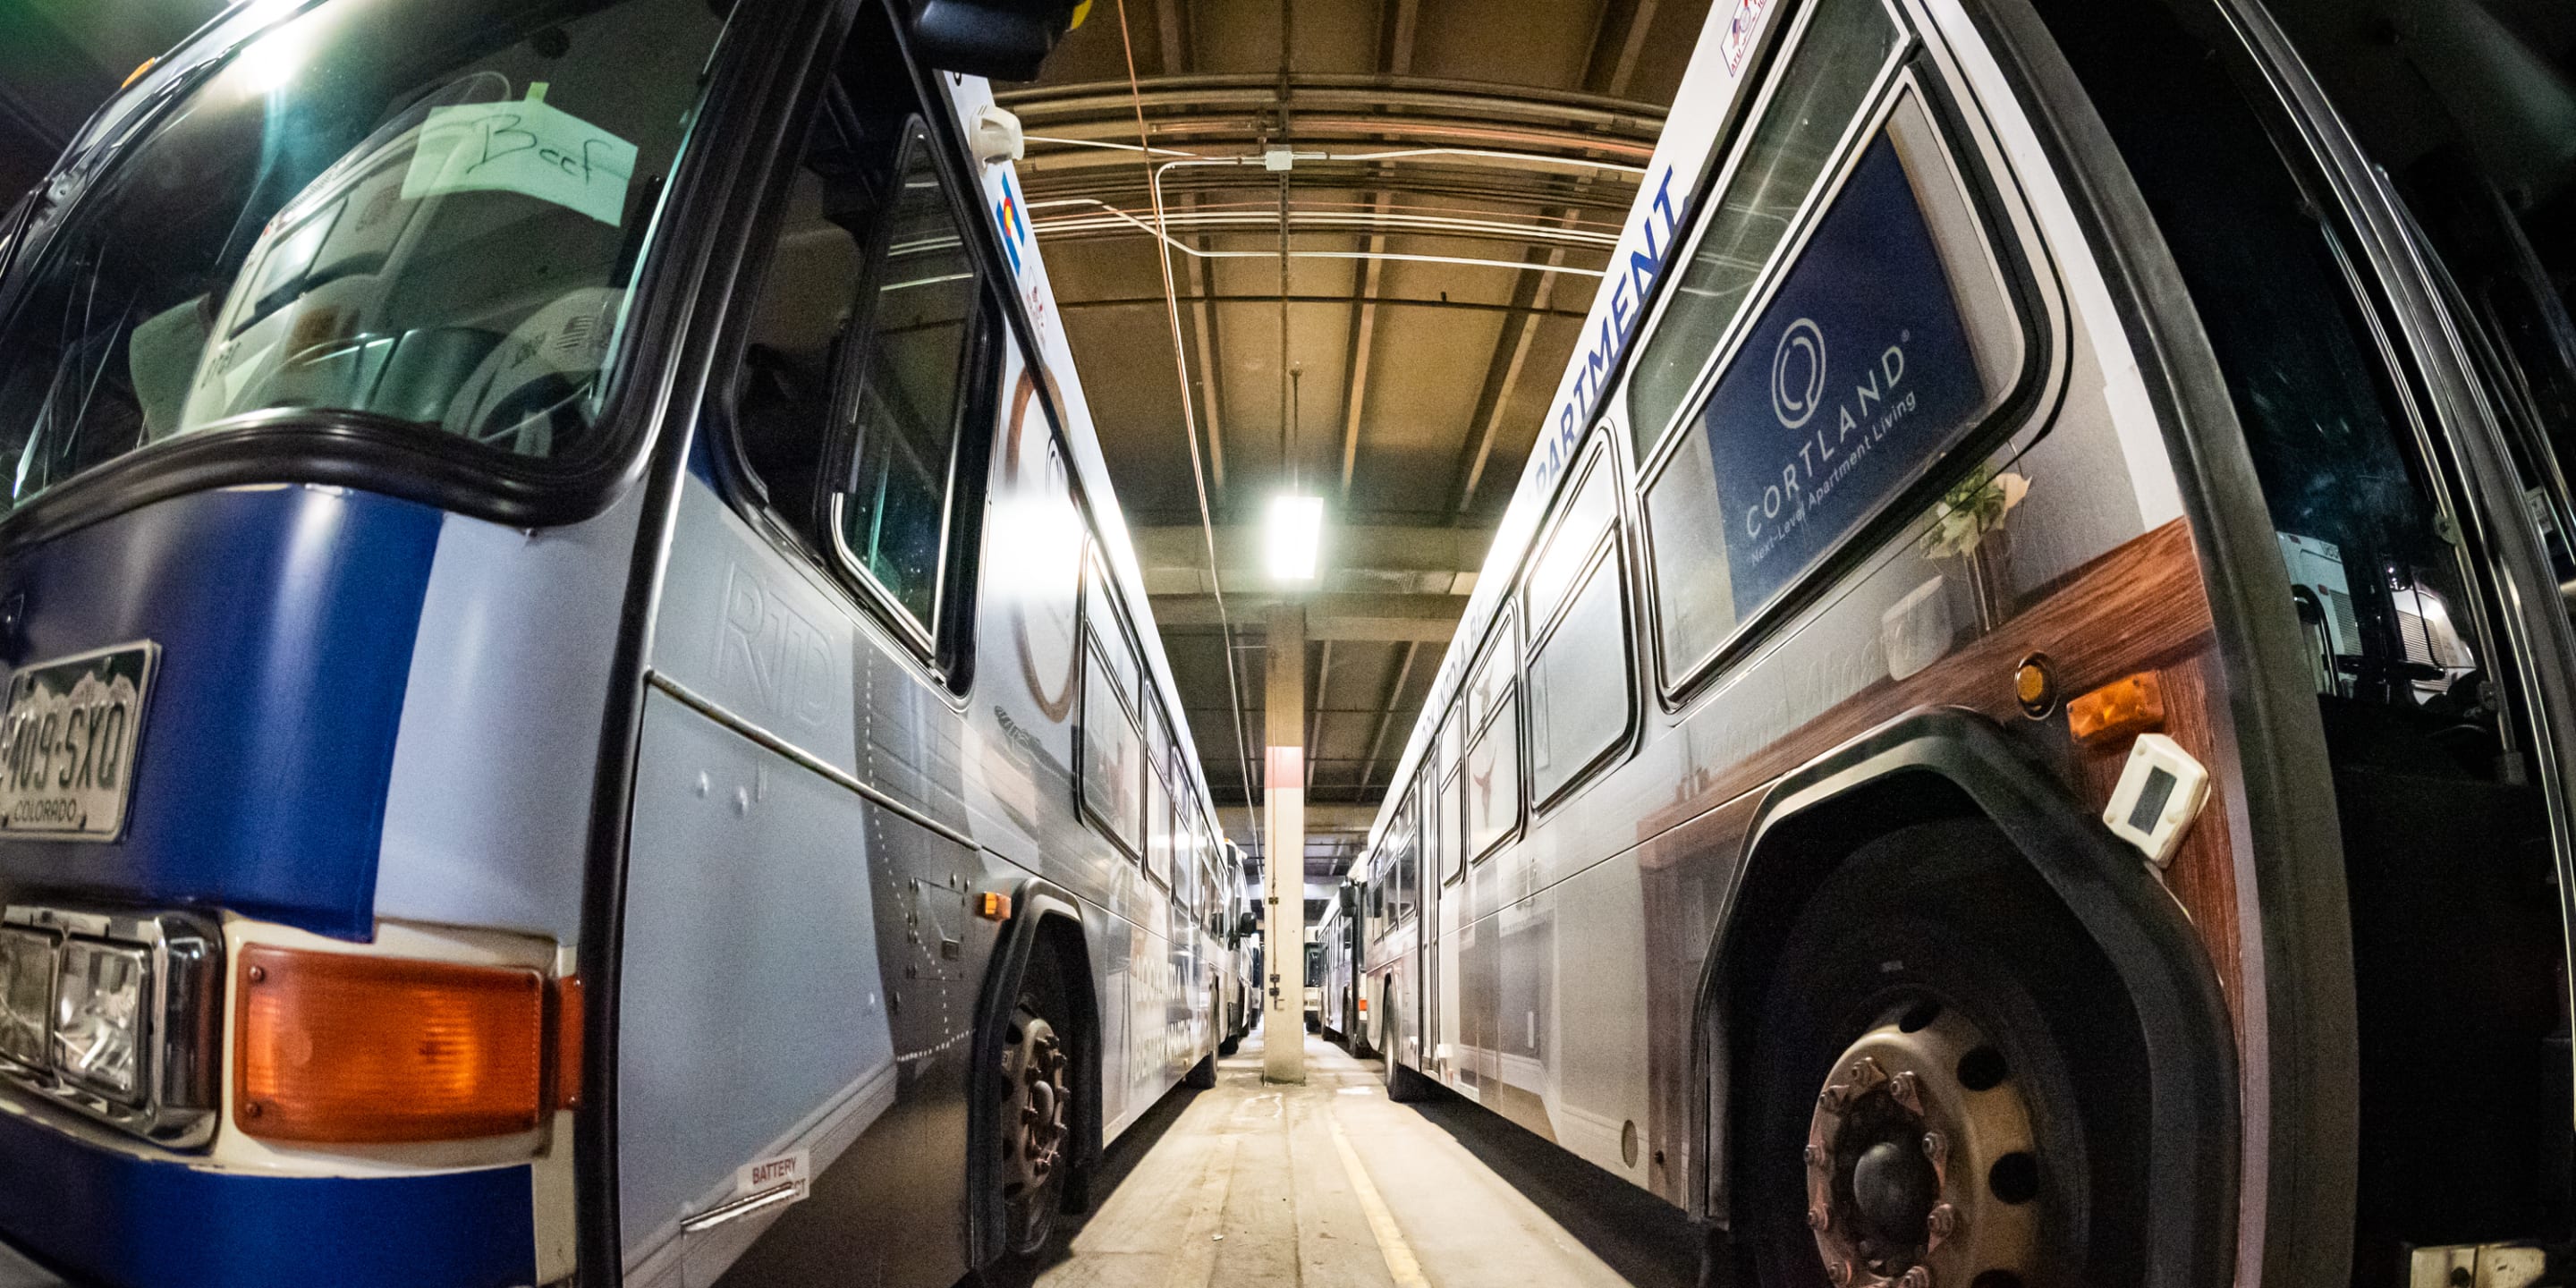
[
  {"x": 993, "y": 906},
  {"x": 2132, "y": 704},
  {"x": 340, "y": 1048},
  {"x": 566, "y": 1092}
]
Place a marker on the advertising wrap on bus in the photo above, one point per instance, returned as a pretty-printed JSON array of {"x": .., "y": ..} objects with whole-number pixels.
[{"x": 1855, "y": 377}]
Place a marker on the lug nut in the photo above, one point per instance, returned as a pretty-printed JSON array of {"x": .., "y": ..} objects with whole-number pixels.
[
  {"x": 1936, "y": 1148},
  {"x": 1813, "y": 1156},
  {"x": 1943, "y": 1222},
  {"x": 1818, "y": 1219},
  {"x": 1907, "y": 1090},
  {"x": 1916, "y": 1277},
  {"x": 1839, "y": 1271}
]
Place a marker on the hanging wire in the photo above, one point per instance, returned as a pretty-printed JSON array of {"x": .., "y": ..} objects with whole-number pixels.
[{"x": 1190, "y": 426}]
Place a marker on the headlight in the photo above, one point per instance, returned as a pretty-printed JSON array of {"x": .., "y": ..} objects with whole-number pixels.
[
  {"x": 26, "y": 994},
  {"x": 114, "y": 1016},
  {"x": 99, "y": 1018}
]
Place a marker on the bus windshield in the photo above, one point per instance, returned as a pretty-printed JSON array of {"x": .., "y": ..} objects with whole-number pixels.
[{"x": 426, "y": 214}]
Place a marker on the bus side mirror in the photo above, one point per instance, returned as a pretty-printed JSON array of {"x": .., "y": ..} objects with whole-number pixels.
[
  {"x": 996, "y": 39},
  {"x": 1249, "y": 926}
]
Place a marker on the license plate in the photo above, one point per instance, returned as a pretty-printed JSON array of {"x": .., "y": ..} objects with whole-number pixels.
[{"x": 67, "y": 743}]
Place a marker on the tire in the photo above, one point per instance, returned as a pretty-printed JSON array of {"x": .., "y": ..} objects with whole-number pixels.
[
  {"x": 1201, "y": 1075},
  {"x": 1034, "y": 1151},
  {"x": 1233, "y": 1043},
  {"x": 1358, "y": 1041},
  {"x": 1406, "y": 1085},
  {"x": 1936, "y": 953}
]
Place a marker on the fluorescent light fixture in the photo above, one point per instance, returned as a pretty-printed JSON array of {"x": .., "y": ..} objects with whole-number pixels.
[{"x": 1296, "y": 533}]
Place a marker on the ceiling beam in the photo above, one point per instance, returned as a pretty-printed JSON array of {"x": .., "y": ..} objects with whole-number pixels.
[
  {"x": 1260, "y": 90},
  {"x": 1329, "y": 817},
  {"x": 1383, "y": 619},
  {"x": 1393, "y": 302},
  {"x": 1170, "y": 17},
  {"x": 1203, "y": 325},
  {"x": 1532, "y": 293},
  {"x": 1617, "y": 44},
  {"x": 1386, "y": 715},
  {"x": 1464, "y": 130},
  {"x": 1355, "y": 548},
  {"x": 1395, "y": 58}
]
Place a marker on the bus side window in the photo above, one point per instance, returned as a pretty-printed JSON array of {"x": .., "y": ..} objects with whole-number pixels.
[
  {"x": 1493, "y": 762},
  {"x": 1441, "y": 851},
  {"x": 1579, "y": 704},
  {"x": 1158, "y": 798},
  {"x": 1406, "y": 857},
  {"x": 1113, "y": 744},
  {"x": 920, "y": 375},
  {"x": 1777, "y": 412},
  {"x": 1837, "y": 58},
  {"x": 1453, "y": 794},
  {"x": 1416, "y": 841},
  {"x": 871, "y": 348}
]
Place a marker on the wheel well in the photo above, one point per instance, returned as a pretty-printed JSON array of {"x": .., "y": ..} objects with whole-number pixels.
[
  {"x": 1937, "y": 764},
  {"x": 1045, "y": 930},
  {"x": 1772, "y": 893}
]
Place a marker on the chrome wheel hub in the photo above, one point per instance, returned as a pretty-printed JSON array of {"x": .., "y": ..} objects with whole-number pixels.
[
  {"x": 1920, "y": 1163},
  {"x": 1035, "y": 1067}
]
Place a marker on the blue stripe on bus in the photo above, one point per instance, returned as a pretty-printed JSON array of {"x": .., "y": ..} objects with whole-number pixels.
[
  {"x": 122, "y": 1220},
  {"x": 286, "y": 618}
]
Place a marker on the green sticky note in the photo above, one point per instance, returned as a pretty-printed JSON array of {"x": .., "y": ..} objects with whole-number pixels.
[{"x": 526, "y": 146}]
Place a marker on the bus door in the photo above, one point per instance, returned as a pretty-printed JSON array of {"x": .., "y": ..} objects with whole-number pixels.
[
  {"x": 801, "y": 965},
  {"x": 2400, "y": 385}
]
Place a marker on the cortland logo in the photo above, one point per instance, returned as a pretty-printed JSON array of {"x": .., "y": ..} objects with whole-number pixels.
[{"x": 1798, "y": 373}]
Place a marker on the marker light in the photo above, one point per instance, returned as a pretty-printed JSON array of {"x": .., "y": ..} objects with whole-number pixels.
[
  {"x": 336, "y": 1047},
  {"x": 1295, "y": 535}
]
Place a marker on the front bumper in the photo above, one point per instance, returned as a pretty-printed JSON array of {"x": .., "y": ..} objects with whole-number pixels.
[{"x": 129, "y": 1220}]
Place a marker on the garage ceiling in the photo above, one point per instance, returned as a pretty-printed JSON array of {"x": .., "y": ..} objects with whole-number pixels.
[{"x": 1456, "y": 173}]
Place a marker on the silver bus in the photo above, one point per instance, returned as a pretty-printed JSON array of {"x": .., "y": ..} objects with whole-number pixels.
[
  {"x": 1336, "y": 961},
  {"x": 578, "y": 705},
  {"x": 2018, "y": 726}
]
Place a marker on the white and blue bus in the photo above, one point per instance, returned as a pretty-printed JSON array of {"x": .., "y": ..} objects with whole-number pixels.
[
  {"x": 578, "y": 703},
  {"x": 2020, "y": 726}
]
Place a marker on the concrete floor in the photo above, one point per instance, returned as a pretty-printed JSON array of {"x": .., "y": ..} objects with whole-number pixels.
[{"x": 1331, "y": 1185}]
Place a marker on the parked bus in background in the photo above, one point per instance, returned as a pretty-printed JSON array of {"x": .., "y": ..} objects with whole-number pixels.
[
  {"x": 1315, "y": 941},
  {"x": 579, "y": 704},
  {"x": 1336, "y": 966},
  {"x": 2018, "y": 726},
  {"x": 1243, "y": 922}
]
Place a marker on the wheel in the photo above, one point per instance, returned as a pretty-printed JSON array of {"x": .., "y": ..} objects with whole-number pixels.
[
  {"x": 1201, "y": 1075},
  {"x": 1035, "y": 1119},
  {"x": 1233, "y": 1043},
  {"x": 1944, "y": 1086},
  {"x": 1404, "y": 1085}
]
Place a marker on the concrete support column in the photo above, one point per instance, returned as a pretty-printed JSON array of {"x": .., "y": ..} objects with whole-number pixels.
[{"x": 1283, "y": 861}]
